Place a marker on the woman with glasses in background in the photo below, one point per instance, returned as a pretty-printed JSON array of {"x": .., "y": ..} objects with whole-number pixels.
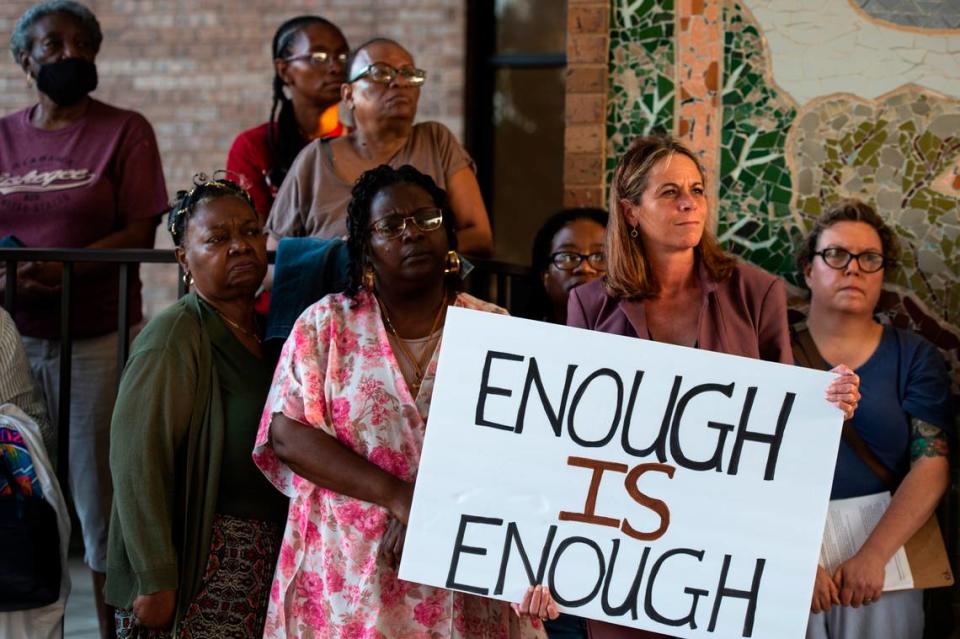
[
  {"x": 309, "y": 61},
  {"x": 567, "y": 252},
  {"x": 381, "y": 93},
  {"x": 897, "y": 440}
]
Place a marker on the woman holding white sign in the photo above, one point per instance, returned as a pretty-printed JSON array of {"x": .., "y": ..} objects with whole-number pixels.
[
  {"x": 344, "y": 425},
  {"x": 668, "y": 279},
  {"x": 897, "y": 440}
]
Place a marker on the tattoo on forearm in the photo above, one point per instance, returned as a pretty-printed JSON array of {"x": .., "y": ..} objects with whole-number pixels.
[{"x": 927, "y": 440}]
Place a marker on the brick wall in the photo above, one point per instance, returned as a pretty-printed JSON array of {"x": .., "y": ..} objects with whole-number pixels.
[
  {"x": 585, "y": 135},
  {"x": 200, "y": 71}
]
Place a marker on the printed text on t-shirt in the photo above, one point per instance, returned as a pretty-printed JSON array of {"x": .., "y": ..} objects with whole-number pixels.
[{"x": 44, "y": 181}]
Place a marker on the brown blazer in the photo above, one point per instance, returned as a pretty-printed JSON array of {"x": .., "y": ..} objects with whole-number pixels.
[{"x": 744, "y": 315}]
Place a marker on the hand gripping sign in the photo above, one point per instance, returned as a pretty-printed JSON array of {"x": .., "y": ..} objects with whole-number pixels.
[{"x": 649, "y": 485}]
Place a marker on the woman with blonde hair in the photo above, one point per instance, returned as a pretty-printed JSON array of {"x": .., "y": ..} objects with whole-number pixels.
[{"x": 668, "y": 280}]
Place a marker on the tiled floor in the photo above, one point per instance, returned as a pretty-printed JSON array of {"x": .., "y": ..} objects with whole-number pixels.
[{"x": 81, "y": 621}]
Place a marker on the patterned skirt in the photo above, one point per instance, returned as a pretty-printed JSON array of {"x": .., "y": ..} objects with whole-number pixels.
[{"x": 235, "y": 589}]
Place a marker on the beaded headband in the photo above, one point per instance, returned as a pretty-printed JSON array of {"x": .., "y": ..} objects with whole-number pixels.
[{"x": 186, "y": 200}]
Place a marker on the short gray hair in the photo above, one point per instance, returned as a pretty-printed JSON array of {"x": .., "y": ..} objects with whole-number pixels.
[{"x": 20, "y": 40}]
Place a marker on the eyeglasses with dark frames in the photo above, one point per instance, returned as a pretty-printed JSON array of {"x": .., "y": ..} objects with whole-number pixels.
[
  {"x": 392, "y": 226},
  {"x": 570, "y": 260},
  {"x": 317, "y": 58},
  {"x": 839, "y": 258},
  {"x": 383, "y": 73}
]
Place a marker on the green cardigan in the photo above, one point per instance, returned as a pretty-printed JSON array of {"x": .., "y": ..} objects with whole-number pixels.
[{"x": 166, "y": 446}]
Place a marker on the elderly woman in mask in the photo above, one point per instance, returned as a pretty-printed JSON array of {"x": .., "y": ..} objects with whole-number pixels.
[
  {"x": 76, "y": 173},
  {"x": 381, "y": 92}
]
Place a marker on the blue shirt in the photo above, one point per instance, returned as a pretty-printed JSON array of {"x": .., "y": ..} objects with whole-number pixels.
[{"x": 905, "y": 377}]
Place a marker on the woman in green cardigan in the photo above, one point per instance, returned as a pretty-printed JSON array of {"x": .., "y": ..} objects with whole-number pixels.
[{"x": 195, "y": 528}]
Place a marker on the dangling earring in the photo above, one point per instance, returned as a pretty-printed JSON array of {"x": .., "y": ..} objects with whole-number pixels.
[
  {"x": 29, "y": 81},
  {"x": 452, "y": 263},
  {"x": 368, "y": 279},
  {"x": 634, "y": 233}
]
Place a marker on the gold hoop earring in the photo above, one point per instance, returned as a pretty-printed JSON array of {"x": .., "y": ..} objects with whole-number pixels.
[
  {"x": 369, "y": 280},
  {"x": 452, "y": 263}
]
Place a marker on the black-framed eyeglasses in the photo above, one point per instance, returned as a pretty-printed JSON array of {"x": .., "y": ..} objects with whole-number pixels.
[
  {"x": 317, "y": 58},
  {"x": 383, "y": 73},
  {"x": 392, "y": 226},
  {"x": 838, "y": 258},
  {"x": 570, "y": 260}
]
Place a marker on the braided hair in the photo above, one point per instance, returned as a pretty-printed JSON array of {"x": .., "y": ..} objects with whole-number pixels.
[
  {"x": 204, "y": 190},
  {"x": 358, "y": 214},
  {"x": 284, "y": 140}
]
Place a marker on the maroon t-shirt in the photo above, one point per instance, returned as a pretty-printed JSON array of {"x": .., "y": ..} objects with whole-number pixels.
[{"x": 72, "y": 187}]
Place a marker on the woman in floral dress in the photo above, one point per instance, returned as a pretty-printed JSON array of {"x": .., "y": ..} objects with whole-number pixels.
[{"x": 343, "y": 428}]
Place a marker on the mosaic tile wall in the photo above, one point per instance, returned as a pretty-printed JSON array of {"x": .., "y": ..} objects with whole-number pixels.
[
  {"x": 929, "y": 14},
  {"x": 781, "y": 162},
  {"x": 755, "y": 183},
  {"x": 641, "y": 73},
  {"x": 890, "y": 153},
  {"x": 820, "y": 47},
  {"x": 820, "y": 100}
]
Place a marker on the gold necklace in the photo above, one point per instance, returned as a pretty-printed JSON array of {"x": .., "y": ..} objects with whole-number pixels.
[
  {"x": 235, "y": 325},
  {"x": 417, "y": 363}
]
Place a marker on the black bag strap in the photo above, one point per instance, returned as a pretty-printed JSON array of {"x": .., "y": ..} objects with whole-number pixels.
[{"x": 806, "y": 353}]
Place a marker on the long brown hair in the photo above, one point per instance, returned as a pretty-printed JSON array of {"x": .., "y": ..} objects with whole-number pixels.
[{"x": 629, "y": 274}]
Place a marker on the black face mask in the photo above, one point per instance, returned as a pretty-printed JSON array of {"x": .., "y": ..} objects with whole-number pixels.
[{"x": 66, "y": 82}]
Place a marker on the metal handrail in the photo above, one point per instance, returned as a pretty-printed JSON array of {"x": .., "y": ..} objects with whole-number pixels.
[{"x": 490, "y": 276}]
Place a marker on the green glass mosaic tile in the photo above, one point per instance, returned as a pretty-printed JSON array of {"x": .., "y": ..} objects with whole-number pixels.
[
  {"x": 755, "y": 184},
  {"x": 641, "y": 86}
]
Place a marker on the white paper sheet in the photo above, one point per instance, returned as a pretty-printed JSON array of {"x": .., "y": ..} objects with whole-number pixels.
[{"x": 849, "y": 523}]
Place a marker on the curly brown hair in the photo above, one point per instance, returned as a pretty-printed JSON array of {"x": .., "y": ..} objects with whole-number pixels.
[{"x": 850, "y": 210}]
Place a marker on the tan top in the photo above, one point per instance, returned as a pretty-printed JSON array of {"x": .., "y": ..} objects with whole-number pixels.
[
  {"x": 312, "y": 201},
  {"x": 418, "y": 347}
]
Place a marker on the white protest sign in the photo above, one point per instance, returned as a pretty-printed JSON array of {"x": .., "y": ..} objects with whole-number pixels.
[{"x": 649, "y": 485}]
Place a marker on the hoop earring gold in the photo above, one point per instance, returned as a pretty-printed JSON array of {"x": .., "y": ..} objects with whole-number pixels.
[
  {"x": 369, "y": 280},
  {"x": 452, "y": 263}
]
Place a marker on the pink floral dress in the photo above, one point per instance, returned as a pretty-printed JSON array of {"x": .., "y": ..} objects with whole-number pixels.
[{"x": 337, "y": 372}]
